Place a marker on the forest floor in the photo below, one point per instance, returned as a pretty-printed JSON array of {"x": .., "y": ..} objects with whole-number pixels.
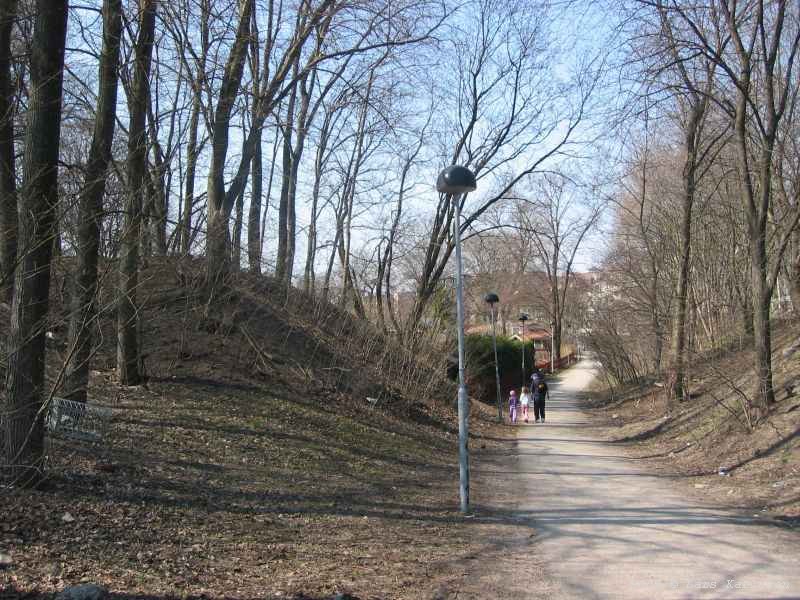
[
  {"x": 251, "y": 463},
  {"x": 225, "y": 476},
  {"x": 707, "y": 441}
]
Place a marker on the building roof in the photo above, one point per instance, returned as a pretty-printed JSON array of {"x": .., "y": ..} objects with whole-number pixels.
[{"x": 533, "y": 334}]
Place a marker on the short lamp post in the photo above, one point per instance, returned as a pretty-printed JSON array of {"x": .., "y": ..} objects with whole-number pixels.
[
  {"x": 522, "y": 318},
  {"x": 491, "y": 299},
  {"x": 457, "y": 181}
]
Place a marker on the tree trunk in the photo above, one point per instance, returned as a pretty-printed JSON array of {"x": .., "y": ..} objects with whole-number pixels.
[
  {"x": 303, "y": 122},
  {"x": 762, "y": 330},
  {"x": 678, "y": 375},
  {"x": 268, "y": 195},
  {"x": 220, "y": 204},
  {"x": 556, "y": 311},
  {"x": 254, "y": 248},
  {"x": 762, "y": 291},
  {"x": 326, "y": 286},
  {"x": 128, "y": 358},
  {"x": 8, "y": 184},
  {"x": 793, "y": 281},
  {"x": 311, "y": 247},
  {"x": 254, "y": 216},
  {"x": 282, "y": 264},
  {"x": 217, "y": 246},
  {"x": 238, "y": 223},
  {"x": 90, "y": 209},
  {"x": 194, "y": 123},
  {"x": 22, "y": 412},
  {"x": 159, "y": 207},
  {"x": 309, "y": 277}
]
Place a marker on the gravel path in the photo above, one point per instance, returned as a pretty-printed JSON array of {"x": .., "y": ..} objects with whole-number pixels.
[{"x": 608, "y": 528}]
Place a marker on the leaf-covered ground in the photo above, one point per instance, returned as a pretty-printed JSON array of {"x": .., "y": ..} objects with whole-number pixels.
[
  {"x": 204, "y": 489},
  {"x": 220, "y": 480}
]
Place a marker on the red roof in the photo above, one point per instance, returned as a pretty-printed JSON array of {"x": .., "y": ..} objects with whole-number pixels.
[{"x": 534, "y": 334}]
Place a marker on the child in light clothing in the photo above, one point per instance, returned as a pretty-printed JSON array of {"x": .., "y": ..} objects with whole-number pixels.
[
  {"x": 512, "y": 406},
  {"x": 524, "y": 401}
]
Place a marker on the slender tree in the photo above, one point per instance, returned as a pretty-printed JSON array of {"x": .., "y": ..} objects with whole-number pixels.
[
  {"x": 193, "y": 147},
  {"x": 220, "y": 205},
  {"x": 90, "y": 208},
  {"x": 559, "y": 226},
  {"x": 22, "y": 411},
  {"x": 695, "y": 83},
  {"x": 128, "y": 355},
  {"x": 8, "y": 184}
]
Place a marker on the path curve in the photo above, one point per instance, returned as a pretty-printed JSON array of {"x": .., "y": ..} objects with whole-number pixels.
[{"x": 606, "y": 527}]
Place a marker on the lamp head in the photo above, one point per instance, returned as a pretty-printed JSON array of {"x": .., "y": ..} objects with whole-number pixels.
[
  {"x": 523, "y": 317},
  {"x": 456, "y": 179},
  {"x": 491, "y": 298}
]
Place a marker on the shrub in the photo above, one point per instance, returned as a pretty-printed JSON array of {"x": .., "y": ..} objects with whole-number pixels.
[{"x": 480, "y": 365}]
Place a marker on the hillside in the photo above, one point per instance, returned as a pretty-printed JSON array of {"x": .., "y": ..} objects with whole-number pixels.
[
  {"x": 709, "y": 434},
  {"x": 251, "y": 463}
]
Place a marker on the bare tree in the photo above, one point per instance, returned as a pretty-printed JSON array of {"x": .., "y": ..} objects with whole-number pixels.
[
  {"x": 8, "y": 184},
  {"x": 686, "y": 80},
  {"x": 90, "y": 209},
  {"x": 194, "y": 62},
  {"x": 293, "y": 154},
  {"x": 327, "y": 143},
  {"x": 220, "y": 201},
  {"x": 558, "y": 219},
  {"x": 510, "y": 118},
  {"x": 254, "y": 245},
  {"x": 128, "y": 351},
  {"x": 280, "y": 77},
  {"x": 23, "y": 408},
  {"x": 383, "y": 280}
]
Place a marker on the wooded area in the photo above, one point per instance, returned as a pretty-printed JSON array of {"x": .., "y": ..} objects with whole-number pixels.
[
  {"x": 704, "y": 238},
  {"x": 248, "y": 132},
  {"x": 227, "y": 283},
  {"x": 251, "y": 132}
]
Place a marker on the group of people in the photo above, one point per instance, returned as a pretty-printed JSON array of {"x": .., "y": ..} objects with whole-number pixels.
[{"x": 537, "y": 394}]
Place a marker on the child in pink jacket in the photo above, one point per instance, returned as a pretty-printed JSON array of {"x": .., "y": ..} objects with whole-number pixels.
[{"x": 512, "y": 406}]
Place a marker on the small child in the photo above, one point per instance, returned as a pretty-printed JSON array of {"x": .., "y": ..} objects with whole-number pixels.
[
  {"x": 524, "y": 400},
  {"x": 512, "y": 406}
]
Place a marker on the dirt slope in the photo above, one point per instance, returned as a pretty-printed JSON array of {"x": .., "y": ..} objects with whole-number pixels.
[
  {"x": 251, "y": 464},
  {"x": 709, "y": 433}
]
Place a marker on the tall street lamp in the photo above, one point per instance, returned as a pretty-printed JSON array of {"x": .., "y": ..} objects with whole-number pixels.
[
  {"x": 491, "y": 299},
  {"x": 522, "y": 318},
  {"x": 457, "y": 181}
]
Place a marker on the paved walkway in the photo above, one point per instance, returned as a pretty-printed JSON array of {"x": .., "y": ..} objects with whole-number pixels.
[{"x": 607, "y": 528}]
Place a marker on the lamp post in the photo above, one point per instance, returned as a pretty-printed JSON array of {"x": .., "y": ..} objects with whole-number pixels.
[
  {"x": 491, "y": 299},
  {"x": 457, "y": 181},
  {"x": 522, "y": 318},
  {"x": 552, "y": 345}
]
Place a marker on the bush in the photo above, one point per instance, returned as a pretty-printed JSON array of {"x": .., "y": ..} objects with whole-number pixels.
[{"x": 480, "y": 366}]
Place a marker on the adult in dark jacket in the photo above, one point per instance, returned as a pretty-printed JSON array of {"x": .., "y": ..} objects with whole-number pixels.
[
  {"x": 539, "y": 396},
  {"x": 536, "y": 377}
]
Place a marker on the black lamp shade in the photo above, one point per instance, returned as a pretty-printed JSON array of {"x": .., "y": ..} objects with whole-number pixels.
[
  {"x": 456, "y": 180},
  {"x": 523, "y": 317},
  {"x": 491, "y": 298}
]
